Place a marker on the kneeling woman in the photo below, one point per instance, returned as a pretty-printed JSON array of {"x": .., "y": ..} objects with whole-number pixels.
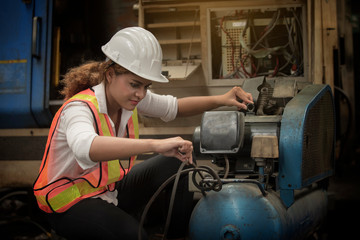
[{"x": 82, "y": 185}]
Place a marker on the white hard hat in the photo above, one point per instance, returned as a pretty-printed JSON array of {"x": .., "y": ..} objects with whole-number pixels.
[{"x": 137, "y": 50}]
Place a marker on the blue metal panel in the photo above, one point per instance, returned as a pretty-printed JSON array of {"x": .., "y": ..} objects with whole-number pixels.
[
  {"x": 40, "y": 90},
  {"x": 24, "y": 78},
  {"x": 15, "y": 63},
  {"x": 292, "y": 142}
]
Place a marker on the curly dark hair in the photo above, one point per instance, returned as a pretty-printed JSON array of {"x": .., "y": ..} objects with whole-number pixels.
[{"x": 87, "y": 75}]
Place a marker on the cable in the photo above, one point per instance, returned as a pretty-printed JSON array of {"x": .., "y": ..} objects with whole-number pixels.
[
  {"x": 276, "y": 67},
  {"x": 205, "y": 186},
  {"x": 172, "y": 198},
  {"x": 291, "y": 52},
  {"x": 300, "y": 38},
  {"x": 227, "y": 166},
  {"x": 216, "y": 185},
  {"x": 268, "y": 28}
]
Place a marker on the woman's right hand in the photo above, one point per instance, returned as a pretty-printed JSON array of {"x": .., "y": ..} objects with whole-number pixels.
[
  {"x": 105, "y": 148},
  {"x": 175, "y": 147}
]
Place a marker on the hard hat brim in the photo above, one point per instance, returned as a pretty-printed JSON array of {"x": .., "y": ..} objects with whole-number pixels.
[{"x": 160, "y": 78}]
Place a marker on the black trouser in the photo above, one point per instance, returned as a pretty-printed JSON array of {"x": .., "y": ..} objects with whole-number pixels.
[{"x": 96, "y": 219}]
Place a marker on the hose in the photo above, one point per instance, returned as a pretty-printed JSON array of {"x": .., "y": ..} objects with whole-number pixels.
[
  {"x": 216, "y": 185},
  {"x": 172, "y": 199},
  {"x": 227, "y": 166}
]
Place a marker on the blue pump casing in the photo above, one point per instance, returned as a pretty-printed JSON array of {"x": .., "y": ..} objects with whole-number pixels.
[
  {"x": 240, "y": 211},
  {"x": 296, "y": 206},
  {"x": 307, "y": 140}
]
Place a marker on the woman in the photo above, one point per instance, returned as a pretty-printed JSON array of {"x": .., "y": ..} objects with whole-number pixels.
[{"x": 97, "y": 125}]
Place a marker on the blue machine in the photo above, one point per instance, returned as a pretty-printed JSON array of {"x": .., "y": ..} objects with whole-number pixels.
[
  {"x": 279, "y": 160},
  {"x": 25, "y": 63}
]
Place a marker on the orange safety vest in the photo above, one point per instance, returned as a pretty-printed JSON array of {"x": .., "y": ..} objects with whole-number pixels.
[{"x": 61, "y": 194}]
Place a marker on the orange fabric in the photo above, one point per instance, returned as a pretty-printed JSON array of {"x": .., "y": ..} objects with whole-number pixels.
[{"x": 61, "y": 194}]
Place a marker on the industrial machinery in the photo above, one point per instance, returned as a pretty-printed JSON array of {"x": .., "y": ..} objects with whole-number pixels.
[{"x": 277, "y": 158}]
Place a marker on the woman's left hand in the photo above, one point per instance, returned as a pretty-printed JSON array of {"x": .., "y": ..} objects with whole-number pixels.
[{"x": 233, "y": 97}]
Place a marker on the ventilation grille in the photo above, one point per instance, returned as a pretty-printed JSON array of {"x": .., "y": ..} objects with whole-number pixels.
[{"x": 318, "y": 140}]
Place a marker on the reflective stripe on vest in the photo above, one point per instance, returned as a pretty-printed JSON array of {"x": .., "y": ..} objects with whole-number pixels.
[{"x": 61, "y": 194}]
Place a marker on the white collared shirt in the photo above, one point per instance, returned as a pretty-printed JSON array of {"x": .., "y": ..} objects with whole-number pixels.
[{"x": 75, "y": 133}]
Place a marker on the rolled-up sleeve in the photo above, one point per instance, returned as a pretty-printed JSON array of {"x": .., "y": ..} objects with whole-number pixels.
[
  {"x": 78, "y": 124},
  {"x": 164, "y": 107}
]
